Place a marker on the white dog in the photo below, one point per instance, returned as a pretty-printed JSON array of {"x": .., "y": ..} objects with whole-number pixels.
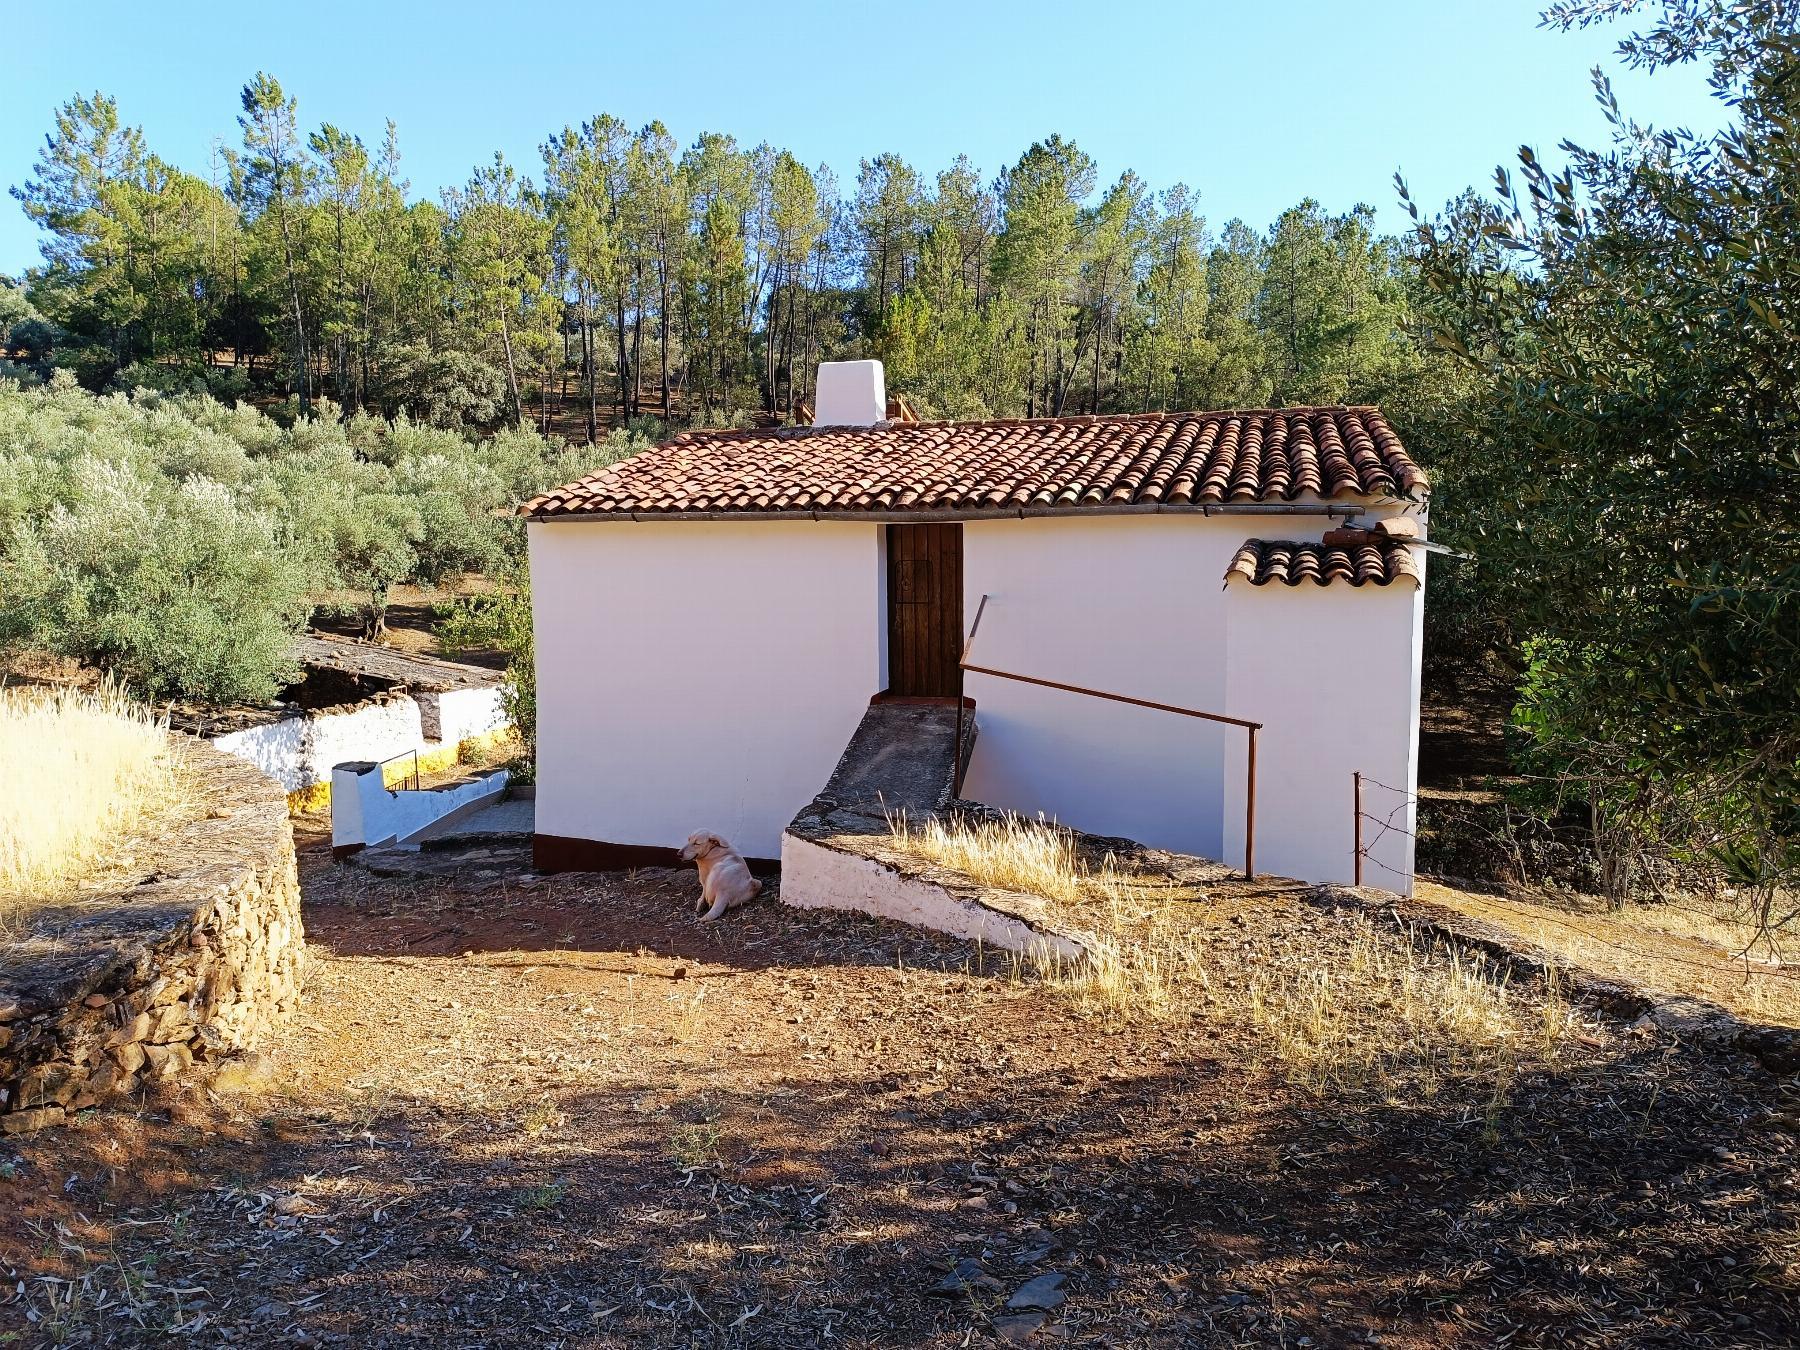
[{"x": 725, "y": 880}]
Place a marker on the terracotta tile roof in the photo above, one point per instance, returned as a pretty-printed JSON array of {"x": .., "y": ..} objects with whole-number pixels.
[
  {"x": 1057, "y": 463},
  {"x": 1375, "y": 563}
]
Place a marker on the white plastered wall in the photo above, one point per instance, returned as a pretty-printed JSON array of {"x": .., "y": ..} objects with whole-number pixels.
[
  {"x": 300, "y": 751},
  {"x": 698, "y": 675},
  {"x": 1332, "y": 672},
  {"x": 1125, "y": 604},
  {"x": 1136, "y": 606}
]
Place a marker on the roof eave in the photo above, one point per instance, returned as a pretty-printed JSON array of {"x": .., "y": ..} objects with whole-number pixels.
[{"x": 1346, "y": 508}]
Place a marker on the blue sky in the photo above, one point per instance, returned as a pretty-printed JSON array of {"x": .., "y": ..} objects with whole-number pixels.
[{"x": 1254, "y": 105}]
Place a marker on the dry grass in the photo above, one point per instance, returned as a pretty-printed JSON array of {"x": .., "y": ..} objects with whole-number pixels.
[
  {"x": 1390, "y": 1018},
  {"x": 1014, "y": 854},
  {"x": 1727, "y": 924},
  {"x": 1142, "y": 963},
  {"x": 1693, "y": 951},
  {"x": 1372, "y": 1013},
  {"x": 83, "y": 768}
]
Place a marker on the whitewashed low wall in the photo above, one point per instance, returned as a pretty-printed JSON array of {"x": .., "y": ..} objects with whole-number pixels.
[
  {"x": 300, "y": 752},
  {"x": 364, "y": 812},
  {"x": 458, "y": 715},
  {"x": 816, "y": 877}
]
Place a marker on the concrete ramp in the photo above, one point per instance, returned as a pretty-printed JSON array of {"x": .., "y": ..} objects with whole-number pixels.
[
  {"x": 840, "y": 851},
  {"x": 902, "y": 758}
]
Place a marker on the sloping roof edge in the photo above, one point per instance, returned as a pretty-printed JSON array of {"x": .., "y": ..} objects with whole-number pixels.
[{"x": 1293, "y": 562}]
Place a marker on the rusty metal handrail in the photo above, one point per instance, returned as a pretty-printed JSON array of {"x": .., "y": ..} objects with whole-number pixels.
[
  {"x": 381, "y": 769},
  {"x": 1250, "y": 728}
]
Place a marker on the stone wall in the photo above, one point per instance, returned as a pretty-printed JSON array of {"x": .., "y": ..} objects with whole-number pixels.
[{"x": 201, "y": 956}]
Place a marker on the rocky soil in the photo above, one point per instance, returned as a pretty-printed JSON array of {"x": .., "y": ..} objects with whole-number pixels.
[{"x": 560, "y": 1113}]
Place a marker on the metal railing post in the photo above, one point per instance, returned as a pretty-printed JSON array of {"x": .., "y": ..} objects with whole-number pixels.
[
  {"x": 1250, "y": 810},
  {"x": 1356, "y": 829}
]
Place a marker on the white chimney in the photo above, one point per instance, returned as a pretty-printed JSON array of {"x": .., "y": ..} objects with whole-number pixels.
[{"x": 850, "y": 394}]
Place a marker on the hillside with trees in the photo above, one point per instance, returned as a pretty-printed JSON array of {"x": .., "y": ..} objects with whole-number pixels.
[
  {"x": 1595, "y": 361},
  {"x": 626, "y": 276}
]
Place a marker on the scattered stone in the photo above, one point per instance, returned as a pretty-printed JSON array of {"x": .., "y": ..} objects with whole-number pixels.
[
  {"x": 95, "y": 1001},
  {"x": 1018, "y": 1328},
  {"x": 1042, "y": 1291},
  {"x": 967, "y": 1276},
  {"x": 252, "y": 1072}
]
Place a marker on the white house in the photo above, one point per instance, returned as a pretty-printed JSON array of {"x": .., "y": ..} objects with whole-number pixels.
[{"x": 714, "y": 616}]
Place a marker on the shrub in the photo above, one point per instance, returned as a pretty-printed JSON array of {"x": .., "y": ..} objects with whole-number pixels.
[
  {"x": 502, "y": 620},
  {"x": 174, "y": 588},
  {"x": 444, "y": 389},
  {"x": 90, "y": 485}
]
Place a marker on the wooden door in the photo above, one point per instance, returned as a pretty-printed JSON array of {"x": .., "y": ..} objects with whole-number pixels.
[{"x": 925, "y": 610}]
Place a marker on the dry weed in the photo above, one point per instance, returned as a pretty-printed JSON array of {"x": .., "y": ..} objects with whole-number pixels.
[
  {"x": 1140, "y": 964},
  {"x": 85, "y": 767},
  {"x": 1014, "y": 854},
  {"x": 1390, "y": 1018}
]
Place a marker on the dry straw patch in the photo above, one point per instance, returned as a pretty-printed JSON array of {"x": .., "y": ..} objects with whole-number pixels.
[
  {"x": 1388, "y": 1017},
  {"x": 1367, "y": 1011},
  {"x": 1142, "y": 961},
  {"x": 83, "y": 767}
]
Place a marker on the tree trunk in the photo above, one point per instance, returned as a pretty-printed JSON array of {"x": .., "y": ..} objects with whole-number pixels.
[
  {"x": 662, "y": 331},
  {"x": 588, "y": 371},
  {"x": 624, "y": 365},
  {"x": 637, "y": 344},
  {"x": 512, "y": 370}
]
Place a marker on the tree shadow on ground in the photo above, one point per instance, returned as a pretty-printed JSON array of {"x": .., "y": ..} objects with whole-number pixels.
[
  {"x": 1615, "y": 1201},
  {"x": 806, "y": 1153}
]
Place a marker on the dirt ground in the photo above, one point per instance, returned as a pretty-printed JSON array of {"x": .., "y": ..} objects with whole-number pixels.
[
  {"x": 559, "y": 1112},
  {"x": 1615, "y": 943}
]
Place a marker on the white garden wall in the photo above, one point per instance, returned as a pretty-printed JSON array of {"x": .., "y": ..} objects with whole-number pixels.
[
  {"x": 466, "y": 714},
  {"x": 698, "y": 675},
  {"x": 299, "y": 751}
]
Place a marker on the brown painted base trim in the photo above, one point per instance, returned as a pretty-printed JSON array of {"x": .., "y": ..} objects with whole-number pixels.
[
  {"x": 559, "y": 853},
  {"x": 341, "y": 851}
]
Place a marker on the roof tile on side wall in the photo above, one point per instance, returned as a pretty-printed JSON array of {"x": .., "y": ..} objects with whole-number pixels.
[
  {"x": 1047, "y": 464},
  {"x": 1379, "y": 562}
]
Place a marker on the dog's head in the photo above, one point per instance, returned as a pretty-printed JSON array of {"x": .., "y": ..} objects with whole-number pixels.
[{"x": 699, "y": 844}]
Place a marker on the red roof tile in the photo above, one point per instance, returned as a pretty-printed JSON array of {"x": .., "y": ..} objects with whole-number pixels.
[
  {"x": 1049, "y": 464},
  {"x": 1379, "y": 562}
]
